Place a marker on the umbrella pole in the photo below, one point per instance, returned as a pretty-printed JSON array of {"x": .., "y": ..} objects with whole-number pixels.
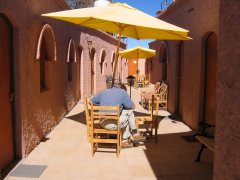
[
  {"x": 137, "y": 73},
  {"x": 116, "y": 57}
]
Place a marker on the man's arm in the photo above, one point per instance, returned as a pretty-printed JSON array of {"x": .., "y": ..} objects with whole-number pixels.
[
  {"x": 127, "y": 102},
  {"x": 95, "y": 99}
]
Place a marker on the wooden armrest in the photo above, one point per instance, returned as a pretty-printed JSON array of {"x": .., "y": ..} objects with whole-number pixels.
[{"x": 209, "y": 142}]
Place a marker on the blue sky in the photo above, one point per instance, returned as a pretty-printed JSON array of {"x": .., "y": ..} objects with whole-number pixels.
[{"x": 147, "y": 6}]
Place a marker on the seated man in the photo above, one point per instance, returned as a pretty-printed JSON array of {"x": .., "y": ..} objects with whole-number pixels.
[{"x": 114, "y": 96}]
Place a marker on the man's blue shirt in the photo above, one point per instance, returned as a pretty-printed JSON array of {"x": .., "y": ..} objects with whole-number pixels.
[{"x": 112, "y": 97}]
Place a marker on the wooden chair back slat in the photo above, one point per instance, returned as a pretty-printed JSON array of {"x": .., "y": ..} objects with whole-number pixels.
[
  {"x": 104, "y": 117},
  {"x": 103, "y": 113}
]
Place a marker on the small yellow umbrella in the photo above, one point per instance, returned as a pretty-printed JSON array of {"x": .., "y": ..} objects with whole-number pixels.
[
  {"x": 137, "y": 52},
  {"x": 124, "y": 20}
]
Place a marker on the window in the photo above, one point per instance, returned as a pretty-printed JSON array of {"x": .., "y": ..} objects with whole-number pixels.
[
  {"x": 43, "y": 58},
  {"x": 46, "y": 52},
  {"x": 71, "y": 59}
]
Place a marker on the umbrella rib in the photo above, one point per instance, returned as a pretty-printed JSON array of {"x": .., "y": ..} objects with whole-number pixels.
[
  {"x": 90, "y": 18},
  {"x": 136, "y": 32},
  {"x": 117, "y": 24},
  {"x": 171, "y": 32}
]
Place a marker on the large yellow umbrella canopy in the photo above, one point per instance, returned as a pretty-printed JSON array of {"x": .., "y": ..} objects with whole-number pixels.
[
  {"x": 137, "y": 52},
  {"x": 124, "y": 20}
]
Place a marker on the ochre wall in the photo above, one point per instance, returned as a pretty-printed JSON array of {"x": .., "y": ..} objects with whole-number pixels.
[
  {"x": 37, "y": 112},
  {"x": 132, "y": 67},
  {"x": 200, "y": 18},
  {"x": 132, "y": 64},
  {"x": 227, "y": 143}
]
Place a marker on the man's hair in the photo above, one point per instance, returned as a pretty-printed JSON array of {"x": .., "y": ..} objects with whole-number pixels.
[
  {"x": 122, "y": 86},
  {"x": 109, "y": 80}
]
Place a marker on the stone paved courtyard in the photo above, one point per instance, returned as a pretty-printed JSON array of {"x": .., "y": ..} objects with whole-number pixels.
[{"x": 66, "y": 154}]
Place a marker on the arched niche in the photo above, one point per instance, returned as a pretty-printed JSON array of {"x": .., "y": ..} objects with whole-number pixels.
[{"x": 47, "y": 36}]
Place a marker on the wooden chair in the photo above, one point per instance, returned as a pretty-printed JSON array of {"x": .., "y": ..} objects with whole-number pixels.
[
  {"x": 147, "y": 80},
  {"x": 162, "y": 95},
  {"x": 99, "y": 113},
  {"x": 88, "y": 119},
  {"x": 145, "y": 93},
  {"x": 140, "y": 80},
  {"x": 150, "y": 119}
]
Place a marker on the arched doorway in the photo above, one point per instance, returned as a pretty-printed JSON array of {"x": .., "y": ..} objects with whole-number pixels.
[
  {"x": 164, "y": 65},
  {"x": 180, "y": 78},
  {"x": 7, "y": 141},
  {"x": 163, "y": 58},
  {"x": 209, "y": 114},
  {"x": 92, "y": 58}
]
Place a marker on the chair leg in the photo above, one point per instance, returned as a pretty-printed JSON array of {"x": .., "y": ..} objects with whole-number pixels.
[
  {"x": 118, "y": 149},
  {"x": 149, "y": 104},
  {"x": 137, "y": 124},
  {"x": 144, "y": 103},
  {"x": 120, "y": 138},
  {"x": 156, "y": 128},
  {"x": 200, "y": 153},
  {"x": 151, "y": 130}
]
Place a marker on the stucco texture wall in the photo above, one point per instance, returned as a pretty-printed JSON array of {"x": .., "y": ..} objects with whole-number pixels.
[
  {"x": 227, "y": 144},
  {"x": 38, "y": 111},
  {"x": 200, "y": 18}
]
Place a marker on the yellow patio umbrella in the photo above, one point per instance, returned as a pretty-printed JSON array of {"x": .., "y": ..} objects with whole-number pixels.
[
  {"x": 124, "y": 20},
  {"x": 137, "y": 52}
]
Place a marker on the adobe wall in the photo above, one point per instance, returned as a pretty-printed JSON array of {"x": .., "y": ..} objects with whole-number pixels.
[
  {"x": 37, "y": 112},
  {"x": 200, "y": 19},
  {"x": 100, "y": 41},
  {"x": 227, "y": 143},
  {"x": 141, "y": 66},
  {"x": 153, "y": 65}
]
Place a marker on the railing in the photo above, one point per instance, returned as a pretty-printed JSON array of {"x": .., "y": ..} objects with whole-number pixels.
[{"x": 166, "y": 3}]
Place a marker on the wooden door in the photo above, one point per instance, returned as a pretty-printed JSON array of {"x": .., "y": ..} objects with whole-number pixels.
[
  {"x": 6, "y": 123},
  {"x": 180, "y": 78},
  {"x": 164, "y": 64},
  {"x": 132, "y": 66},
  {"x": 210, "y": 79}
]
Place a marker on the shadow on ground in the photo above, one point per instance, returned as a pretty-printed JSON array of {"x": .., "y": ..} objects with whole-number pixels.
[
  {"x": 80, "y": 117},
  {"x": 173, "y": 157}
]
